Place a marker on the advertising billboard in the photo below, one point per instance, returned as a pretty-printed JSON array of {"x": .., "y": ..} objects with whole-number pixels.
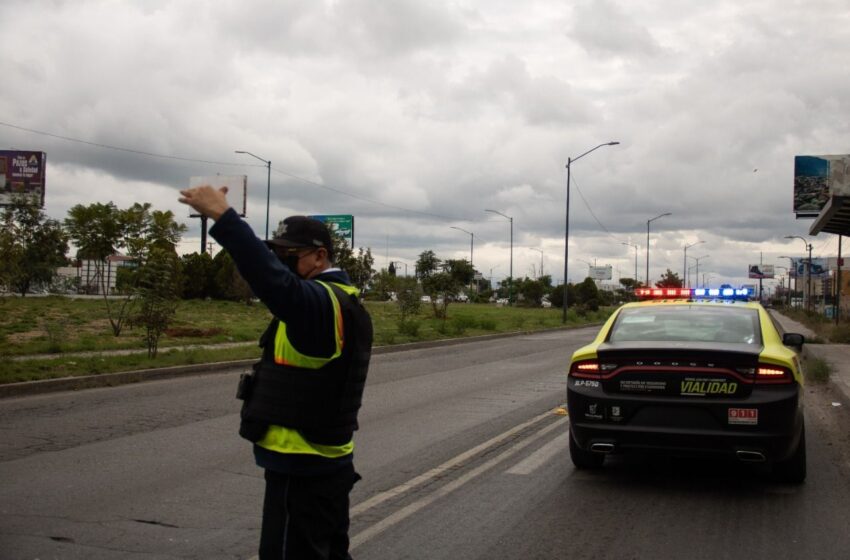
[
  {"x": 340, "y": 224},
  {"x": 820, "y": 268},
  {"x": 815, "y": 178},
  {"x": 600, "y": 272},
  {"x": 760, "y": 271},
  {"x": 23, "y": 173}
]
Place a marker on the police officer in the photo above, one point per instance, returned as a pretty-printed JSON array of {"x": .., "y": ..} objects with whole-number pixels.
[{"x": 301, "y": 402}]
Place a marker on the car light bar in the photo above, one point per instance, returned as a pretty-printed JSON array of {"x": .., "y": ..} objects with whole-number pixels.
[{"x": 692, "y": 293}]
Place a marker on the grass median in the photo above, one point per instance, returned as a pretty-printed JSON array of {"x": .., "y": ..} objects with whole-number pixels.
[{"x": 51, "y": 337}]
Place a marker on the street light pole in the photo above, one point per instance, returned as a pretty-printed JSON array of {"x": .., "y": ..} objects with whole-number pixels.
[
  {"x": 471, "y": 241},
  {"x": 268, "y": 184},
  {"x": 790, "y": 267},
  {"x": 685, "y": 268},
  {"x": 471, "y": 245},
  {"x": 567, "y": 224},
  {"x": 782, "y": 280},
  {"x": 697, "y": 259},
  {"x": 636, "y": 252},
  {"x": 511, "y": 277},
  {"x": 649, "y": 221},
  {"x": 808, "y": 270},
  {"x": 540, "y": 273}
]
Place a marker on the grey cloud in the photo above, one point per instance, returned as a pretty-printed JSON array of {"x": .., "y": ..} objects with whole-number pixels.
[{"x": 602, "y": 28}]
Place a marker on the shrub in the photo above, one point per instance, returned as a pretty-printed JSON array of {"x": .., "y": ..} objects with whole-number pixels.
[
  {"x": 461, "y": 324},
  {"x": 409, "y": 328}
]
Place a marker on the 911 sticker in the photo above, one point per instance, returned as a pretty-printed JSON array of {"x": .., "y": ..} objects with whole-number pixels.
[{"x": 745, "y": 416}]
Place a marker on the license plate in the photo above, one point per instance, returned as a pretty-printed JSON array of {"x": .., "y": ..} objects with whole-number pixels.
[{"x": 746, "y": 416}]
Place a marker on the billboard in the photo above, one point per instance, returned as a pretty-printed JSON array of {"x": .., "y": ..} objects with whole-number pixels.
[
  {"x": 600, "y": 272},
  {"x": 815, "y": 179},
  {"x": 340, "y": 224},
  {"x": 237, "y": 189},
  {"x": 23, "y": 173},
  {"x": 820, "y": 268},
  {"x": 760, "y": 271}
]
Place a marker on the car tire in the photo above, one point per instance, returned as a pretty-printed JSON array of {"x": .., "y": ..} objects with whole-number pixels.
[
  {"x": 584, "y": 459},
  {"x": 793, "y": 469}
]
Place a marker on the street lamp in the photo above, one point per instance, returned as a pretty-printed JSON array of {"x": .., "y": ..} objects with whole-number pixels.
[
  {"x": 649, "y": 221},
  {"x": 511, "y": 277},
  {"x": 782, "y": 280},
  {"x": 790, "y": 268},
  {"x": 808, "y": 270},
  {"x": 636, "y": 252},
  {"x": 268, "y": 184},
  {"x": 685, "y": 268},
  {"x": 539, "y": 274},
  {"x": 697, "y": 259},
  {"x": 471, "y": 245},
  {"x": 567, "y": 226},
  {"x": 471, "y": 241}
]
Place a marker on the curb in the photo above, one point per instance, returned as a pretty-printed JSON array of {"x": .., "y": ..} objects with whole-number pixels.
[{"x": 25, "y": 388}]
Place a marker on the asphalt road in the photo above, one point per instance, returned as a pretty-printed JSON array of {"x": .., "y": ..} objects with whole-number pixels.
[{"x": 461, "y": 454}]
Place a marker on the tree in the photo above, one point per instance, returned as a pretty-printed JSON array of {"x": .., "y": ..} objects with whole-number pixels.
[
  {"x": 460, "y": 270},
  {"x": 358, "y": 267},
  {"x": 531, "y": 291},
  {"x": 157, "y": 291},
  {"x": 32, "y": 246},
  {"x": 408, "y": 299},
  {"x": 100, "y": 230},
  {"x": 587, "y": 295},
  {"x": 427, "y": 264},
  {"x": 441, "y": 288},
  {"x": 228, "y": 283},
  {"x": 669, "y": 280},
  {"x": 198, "y": 276}
]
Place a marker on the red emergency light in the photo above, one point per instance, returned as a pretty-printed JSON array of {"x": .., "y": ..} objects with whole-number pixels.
[{"x": 675, "y": 293}]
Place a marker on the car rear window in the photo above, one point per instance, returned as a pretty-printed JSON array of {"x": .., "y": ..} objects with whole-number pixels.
[{"x": 691, "y": 323}]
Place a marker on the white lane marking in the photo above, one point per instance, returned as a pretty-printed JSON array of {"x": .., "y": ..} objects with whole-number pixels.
[
  {"x": 412, "y": 508},
  {"x": 430, "y": 475},
  {"x": 557, "y": 446}
]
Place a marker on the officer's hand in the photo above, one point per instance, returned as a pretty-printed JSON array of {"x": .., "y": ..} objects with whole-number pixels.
[{"x": 206, "y": 200}]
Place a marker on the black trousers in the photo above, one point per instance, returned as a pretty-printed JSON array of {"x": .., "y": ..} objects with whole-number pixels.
[{"x": 306, "y": 517}]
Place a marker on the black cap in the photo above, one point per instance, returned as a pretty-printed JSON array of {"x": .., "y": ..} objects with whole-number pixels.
[{"x": 301, "y": 231}]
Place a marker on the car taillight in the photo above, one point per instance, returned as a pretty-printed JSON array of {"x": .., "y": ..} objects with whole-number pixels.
[
  {"x": 767, "y": 373},
  {"x": 588, "y": 369}
]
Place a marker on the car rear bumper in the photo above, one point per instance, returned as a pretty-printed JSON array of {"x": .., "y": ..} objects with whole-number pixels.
[{"x": 620, "y": 423}]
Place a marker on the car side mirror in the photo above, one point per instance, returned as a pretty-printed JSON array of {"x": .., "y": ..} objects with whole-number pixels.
[{"x": 793, "y": 339}]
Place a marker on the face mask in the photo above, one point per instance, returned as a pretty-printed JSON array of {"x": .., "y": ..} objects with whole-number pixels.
[{"x": 291, "y": 261}]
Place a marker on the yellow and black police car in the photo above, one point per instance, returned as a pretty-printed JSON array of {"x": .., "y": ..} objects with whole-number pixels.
[{"x": 690, "y": 371}]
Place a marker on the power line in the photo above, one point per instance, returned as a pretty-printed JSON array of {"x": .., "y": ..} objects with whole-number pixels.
[
  {"x": 589, "y": 209},
  {"x": 212, "y": 162},
  {"x": 120, "y": 149}
]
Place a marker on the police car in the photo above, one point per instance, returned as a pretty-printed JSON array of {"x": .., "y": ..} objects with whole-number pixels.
[{"x": 690, "y": 371}]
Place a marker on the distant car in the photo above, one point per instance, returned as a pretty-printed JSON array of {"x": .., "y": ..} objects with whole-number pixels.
[
  {"x": 546, "y": 303},
  {"x": 502, "y": 301},
  {"x": 689, "y": 374},
  {"x": 425, "y": 299}
]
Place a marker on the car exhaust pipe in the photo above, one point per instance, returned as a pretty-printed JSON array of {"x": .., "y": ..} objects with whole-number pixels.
[
  {"x": 602, "y": 447},
  {"x": 750, "y": 456}
]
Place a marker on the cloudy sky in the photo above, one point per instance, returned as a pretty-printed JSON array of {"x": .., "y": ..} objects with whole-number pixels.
[{"x": 416, "y": 116}]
